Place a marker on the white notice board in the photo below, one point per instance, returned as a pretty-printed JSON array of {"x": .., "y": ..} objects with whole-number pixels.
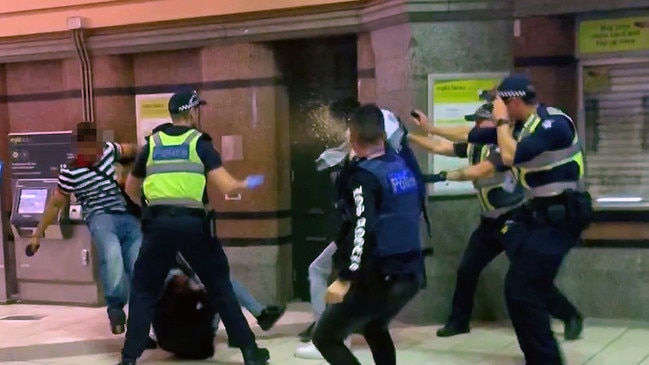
[{"x": 450, "y": 98}]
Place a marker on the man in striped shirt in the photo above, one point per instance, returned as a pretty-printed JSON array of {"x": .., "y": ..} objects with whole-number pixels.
[{"x": 115, "y": 233}]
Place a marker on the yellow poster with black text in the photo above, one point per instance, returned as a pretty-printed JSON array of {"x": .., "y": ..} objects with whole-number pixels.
[
  {"x": 151, "y": 111},
  {"x": 614, "y": 35},
  {"x": 452, "y": 99}
]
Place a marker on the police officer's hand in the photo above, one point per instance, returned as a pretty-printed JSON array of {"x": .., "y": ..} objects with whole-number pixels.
[
  {"x": 433, "y": 178},
  {"x": 33, "y": 246},
  {"x": 254, "y": 181},
  {"x": 336, "y": 291},
  {"x": 419, "y": 118},
  {"x": 500, "y": 109}
]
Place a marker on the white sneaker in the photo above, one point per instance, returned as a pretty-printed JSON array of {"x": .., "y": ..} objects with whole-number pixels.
[{"x": 310, "y": 352}]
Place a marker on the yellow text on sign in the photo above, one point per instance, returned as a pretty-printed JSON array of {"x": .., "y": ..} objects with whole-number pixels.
[{"x": 614, "y": 35}]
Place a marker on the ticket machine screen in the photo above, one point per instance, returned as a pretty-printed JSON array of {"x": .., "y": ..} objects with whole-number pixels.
[{"x": 32, "y": 201}]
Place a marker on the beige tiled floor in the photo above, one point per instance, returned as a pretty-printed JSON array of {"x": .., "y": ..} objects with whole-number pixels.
[{"x": 67, "y": 335}]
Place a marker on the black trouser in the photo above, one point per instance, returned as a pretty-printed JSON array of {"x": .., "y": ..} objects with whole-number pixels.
[
  {"x": 368, "y": 308},
  {"x": 485, "y": 244},
  {"x": 164, "y": 236},
  {"x": 536, "y": 250}
]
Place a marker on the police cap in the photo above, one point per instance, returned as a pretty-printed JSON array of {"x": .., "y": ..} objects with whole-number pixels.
[
  {"x": 516, "y": 86},
  {"x": 482, "y": 113},
  {"x": 183, "y": 101}
]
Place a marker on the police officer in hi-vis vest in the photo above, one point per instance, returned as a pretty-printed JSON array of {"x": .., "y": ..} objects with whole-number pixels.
[
  {"x": 174, "y": 169},
  {"x": 383, "y": 266},
  {"x": 547, "y": 159},
  {"x": 499, "y": 194}
]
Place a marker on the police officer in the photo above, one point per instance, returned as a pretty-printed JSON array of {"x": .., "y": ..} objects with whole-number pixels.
[
  {"x": 384, "y": 263},
  {"x": 498, "y": 194},
  {"x": 173, "y": 170},
  {"x": 547, "y": 160}
]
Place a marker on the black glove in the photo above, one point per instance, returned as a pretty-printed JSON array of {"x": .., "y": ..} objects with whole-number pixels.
[
  {"x": 31, "y": 251},
  {"x": 433, "y": 178}
]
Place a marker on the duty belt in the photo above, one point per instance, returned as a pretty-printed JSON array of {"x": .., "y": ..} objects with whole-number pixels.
[
  {"x": 177, "y": 202},
  {"x": 175, "y": 211}
]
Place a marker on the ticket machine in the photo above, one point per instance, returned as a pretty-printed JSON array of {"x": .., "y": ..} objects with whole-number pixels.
[{"x": 65, "y": 268}]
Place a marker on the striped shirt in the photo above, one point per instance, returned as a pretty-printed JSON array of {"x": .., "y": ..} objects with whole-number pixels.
[{"x": 94, "y": 191}]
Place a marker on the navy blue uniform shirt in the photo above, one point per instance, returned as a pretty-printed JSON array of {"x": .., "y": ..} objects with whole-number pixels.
[{"x": 554, "y": 132}]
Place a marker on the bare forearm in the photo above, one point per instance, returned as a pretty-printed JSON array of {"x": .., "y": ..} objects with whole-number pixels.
[
  {"x": 433, "y": 145},
  {"x": 458, "y": 175},
  {"x": 50, "y": 213},
  {"x": 507, "y": 144},
  {"x": 472, "y": 173},
  {"x": 135, "y": 196},
  {"x": 453, "y": 134}
]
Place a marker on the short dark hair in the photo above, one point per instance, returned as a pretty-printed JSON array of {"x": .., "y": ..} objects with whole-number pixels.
[
  {"x": 368, "y": 124},
  {"x": 86, "y": 132},
  {"x": 175, "y": 117}
]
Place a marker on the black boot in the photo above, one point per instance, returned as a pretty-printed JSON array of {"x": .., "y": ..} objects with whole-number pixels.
[
  {"x": 117, "y": 319},
  {"x": 573, "y": 328},
  {"x": 305, "y": 336},
  {"x": 253, "y": 355},
  {"x": 450, "y": 330},
  {"x": 269, "y": 316}
]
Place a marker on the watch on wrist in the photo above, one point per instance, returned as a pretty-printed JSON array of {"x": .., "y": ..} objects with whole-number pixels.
[
  {"x": 443, "y": 175},
  {"x": 501, "y": 122}
]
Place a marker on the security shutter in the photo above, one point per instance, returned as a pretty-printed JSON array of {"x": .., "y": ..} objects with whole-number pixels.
[{"x": 616, "y": 103}]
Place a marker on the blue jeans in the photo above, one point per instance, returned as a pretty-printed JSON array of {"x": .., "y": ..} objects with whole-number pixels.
[
  {"x": 117, "y": 238},
  {"x": 245, "y": 298}
]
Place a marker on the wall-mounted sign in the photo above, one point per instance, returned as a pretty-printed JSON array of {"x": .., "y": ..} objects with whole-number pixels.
[
  {"x": 450, "y": 98},
  {"x": 613, "y": 35},
  {"x": 151, "y": 111}
]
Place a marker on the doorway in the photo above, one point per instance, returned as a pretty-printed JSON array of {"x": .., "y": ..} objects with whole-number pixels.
[{"x": 317, "y": 71}]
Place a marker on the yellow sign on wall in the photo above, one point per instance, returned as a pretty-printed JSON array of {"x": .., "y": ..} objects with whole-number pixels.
[
  {"x": 613, "y": 35},
  {"x": 150, "y": 111},
  {"x": 154, "y": 108}
]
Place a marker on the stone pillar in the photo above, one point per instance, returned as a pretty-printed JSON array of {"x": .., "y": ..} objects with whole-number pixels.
[
  {"x": 366, "y": 69},
  {"x": 461, "y": 41},
  {"x": 114, "y": 108},
  {"x": 545, "y": 50},
  {"x": 252, "y": 105}
]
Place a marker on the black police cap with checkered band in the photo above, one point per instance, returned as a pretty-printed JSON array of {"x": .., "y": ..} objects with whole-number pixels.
[
  {"x": 482, "y": 113},
  {"x": 516, "y": 86},
  {"x": 183, "y": 101}
]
